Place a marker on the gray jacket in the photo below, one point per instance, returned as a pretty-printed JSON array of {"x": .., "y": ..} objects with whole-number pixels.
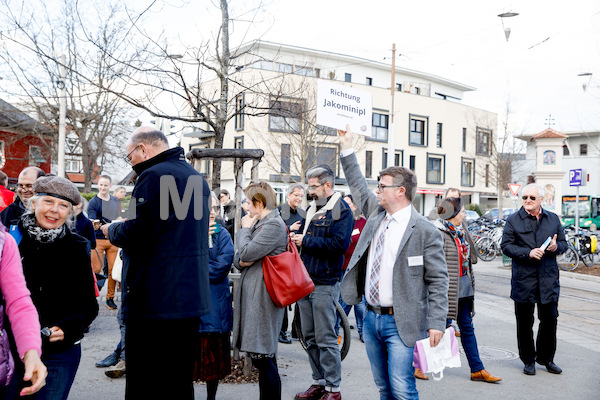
[
  {"x": 256, "y": 319},
  {"x": 420, "y": 279}
]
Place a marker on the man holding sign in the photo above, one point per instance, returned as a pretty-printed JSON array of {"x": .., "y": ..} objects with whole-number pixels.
[{"x": 532, "y": 238}]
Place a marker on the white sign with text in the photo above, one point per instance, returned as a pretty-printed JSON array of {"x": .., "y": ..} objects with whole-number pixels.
[{"x": 338, "y": 105}]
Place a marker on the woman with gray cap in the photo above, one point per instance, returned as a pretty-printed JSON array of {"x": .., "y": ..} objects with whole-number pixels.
[
  {"x": 56, "y": 265},
  {"x": 461, "y": 288}
]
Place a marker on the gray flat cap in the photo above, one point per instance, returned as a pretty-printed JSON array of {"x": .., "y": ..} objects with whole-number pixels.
[{"x": 56, "y": 186}]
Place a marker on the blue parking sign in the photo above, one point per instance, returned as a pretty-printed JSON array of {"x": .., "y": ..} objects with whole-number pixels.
[{"x": 575, "y": 177}]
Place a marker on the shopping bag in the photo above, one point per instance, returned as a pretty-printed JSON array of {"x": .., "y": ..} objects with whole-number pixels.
[
  {"x": 117, "y": 268},
  {"x": 434, "y": 359}
]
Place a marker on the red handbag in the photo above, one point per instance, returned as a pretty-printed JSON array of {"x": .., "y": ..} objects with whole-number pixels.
[{"x": 286, "y": 277}]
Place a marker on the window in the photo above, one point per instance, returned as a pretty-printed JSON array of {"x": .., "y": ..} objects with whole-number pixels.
[
  {"x": 467, "y": 172},
  {"x": 72, "y": 166},
  {"x": 487, "y": 175},
  {"x": 285, "y": 158},
  {"x": 438, "y": 137},
  {"x": 369, "y": 81},
  {"x": 306, "y": 71},
  {"x": 464, "y": 140},
  {"x": 435, "y": 168},
  {"x": 368, "y": 164},
  {"x": 380, "y": 126},
  {"x": 238, "y": 142},
  {"x": 35, "y": 156},
  {"x": 566, "y": 151},
  {"x": 239, "y": 112},
  {"x": 418, "y": 131},
  {"x": 347, "y": 77},
  {"x": 411, "y": 163},
  {"x": 323, "y": 155},
  {"x": 286, "y": 116},
  {"x": 484, "y": 141},
  {"x": 399, "y": 87},
  {"x": 325, "y": 130},
  {"x": 583, "y": 149},
  {"x": 398, "y": 158}
]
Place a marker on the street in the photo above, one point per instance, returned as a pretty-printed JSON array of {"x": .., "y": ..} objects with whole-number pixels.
[{"x": 578, "y": 352}]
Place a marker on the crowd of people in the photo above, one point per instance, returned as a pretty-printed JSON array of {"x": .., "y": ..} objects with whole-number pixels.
[{"x": 407, "y": 277}]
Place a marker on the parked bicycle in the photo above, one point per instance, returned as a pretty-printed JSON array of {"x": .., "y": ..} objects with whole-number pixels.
[
  {"x": 582, "y": 247},
  {"x": 344, "y": 336}
]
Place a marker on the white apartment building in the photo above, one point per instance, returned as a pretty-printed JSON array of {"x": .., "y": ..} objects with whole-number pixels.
[{"x": 446, "y": 143}]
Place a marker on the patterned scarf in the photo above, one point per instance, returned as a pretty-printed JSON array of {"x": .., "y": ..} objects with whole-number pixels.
[
  {"x": 40, "y": 234},
  {"x": 463, "y": 245}
]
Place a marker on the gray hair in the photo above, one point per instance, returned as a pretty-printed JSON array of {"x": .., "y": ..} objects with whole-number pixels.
[
  {"x": 293, "y": 187},
  {"x": 70, "y": 222},
  {"x": 323, "y": 173},
  {"x": 539, "y": 188}
]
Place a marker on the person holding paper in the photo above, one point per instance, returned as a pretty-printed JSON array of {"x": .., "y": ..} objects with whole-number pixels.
[
  {"x": 399, "y": 266},
  {"x": 535, "y": 277}
]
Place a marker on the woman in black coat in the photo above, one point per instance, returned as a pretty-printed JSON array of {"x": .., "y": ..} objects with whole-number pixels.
[{"x": 56, "y": 265}]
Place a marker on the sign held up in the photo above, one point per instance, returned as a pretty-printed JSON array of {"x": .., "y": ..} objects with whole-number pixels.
[{"x": 339, "y": 105}]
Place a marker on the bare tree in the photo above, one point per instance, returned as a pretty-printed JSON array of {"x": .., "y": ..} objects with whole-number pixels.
[{"x": 31, "y": 52}]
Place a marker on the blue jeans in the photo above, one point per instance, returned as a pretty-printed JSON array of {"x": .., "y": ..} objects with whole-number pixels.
[
  {"x": 318, "y": 316},
  {"x": 467, "y": 333},
  {"x": 391, "y": 361},
  {"x": 62, "y": 368}
]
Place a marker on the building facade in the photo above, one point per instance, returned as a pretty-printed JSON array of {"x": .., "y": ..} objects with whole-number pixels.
[{"x": 446, "y": 143}]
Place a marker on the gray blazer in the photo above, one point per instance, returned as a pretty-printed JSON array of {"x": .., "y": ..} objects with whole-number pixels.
[
  {"x": 256, "y": 319},
  {"x": 420, "y": 278}
]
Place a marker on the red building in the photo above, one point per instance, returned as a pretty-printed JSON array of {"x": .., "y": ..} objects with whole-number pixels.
[{"x": 24, "y": 142}]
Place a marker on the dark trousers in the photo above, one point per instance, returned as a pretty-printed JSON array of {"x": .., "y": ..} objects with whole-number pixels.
[
  {"x": 62, "y": 368},
  {"x": 545, "y": 346},
  {"x": 269, "y": 382},
  {"x": 160, "y": 358}
]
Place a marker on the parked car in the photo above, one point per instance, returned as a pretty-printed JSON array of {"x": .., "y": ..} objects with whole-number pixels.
[
  {"x": 472, "y": 215},
  {"x": 492, "y": 213}
]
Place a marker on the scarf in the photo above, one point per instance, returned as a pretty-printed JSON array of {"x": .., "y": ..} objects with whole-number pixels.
[
  {"x": 463, "y": 246},
  {"x": 40, "y": 234}
]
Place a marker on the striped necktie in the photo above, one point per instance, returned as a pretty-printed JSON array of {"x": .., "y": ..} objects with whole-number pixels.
[{"x": 376, "y": 268}]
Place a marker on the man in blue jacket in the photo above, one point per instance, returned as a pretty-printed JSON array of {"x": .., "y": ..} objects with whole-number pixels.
[
  {"x": 165, "y": 267},
  {"x": 325, "y": 237},
  {"x": 532, "y": 238}
]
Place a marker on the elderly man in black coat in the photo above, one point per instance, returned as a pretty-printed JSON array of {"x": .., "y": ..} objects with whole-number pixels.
[{"x": 532, "y": 238}]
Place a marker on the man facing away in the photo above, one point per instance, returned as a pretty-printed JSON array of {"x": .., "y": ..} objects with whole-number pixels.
[
  {"x": 533, "y": 237},
  {"x": 324, "y": 238},
  {"x": 399, "y": 265},
  {"x": 105, "y": 208},
  {"x": 11, "y": 214},
  {"x": 165, "y": 267}
]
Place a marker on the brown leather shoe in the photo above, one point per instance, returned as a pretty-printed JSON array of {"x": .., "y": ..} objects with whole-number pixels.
[
  {"x": 484, "y": 376},
  {"x": 332, "y": 396},
  {"x": 315, "y": 392},
  {"x": 420, "y": 375}
]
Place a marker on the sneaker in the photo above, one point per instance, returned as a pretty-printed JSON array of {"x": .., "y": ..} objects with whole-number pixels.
[
  {"x": 110, "y": 303},
  {"x": 116, "y": 371},
  {"x": 108, "y": 361}
]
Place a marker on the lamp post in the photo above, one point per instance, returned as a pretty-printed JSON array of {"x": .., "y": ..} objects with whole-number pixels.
[
  {"x": 62, "y": 113},
  {"x": 506, "y": 26}
]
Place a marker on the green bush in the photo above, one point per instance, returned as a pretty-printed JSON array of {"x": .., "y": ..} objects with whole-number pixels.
[
  {"x": 88, "y": 196},
  {"x": 474, "y": 207}
]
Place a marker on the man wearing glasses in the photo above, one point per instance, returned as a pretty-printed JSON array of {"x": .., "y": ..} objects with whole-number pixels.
[
  {"x": 325, "y": 236},
  {"x": 399, "y": 266},
  {"x": 165, "y": 267},
  {"x": 11, "y": 214},
  {"x": 533, "y": 237}
]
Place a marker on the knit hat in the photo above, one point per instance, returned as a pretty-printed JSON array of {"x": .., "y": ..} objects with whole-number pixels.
[{"x": 56, "y": 186}]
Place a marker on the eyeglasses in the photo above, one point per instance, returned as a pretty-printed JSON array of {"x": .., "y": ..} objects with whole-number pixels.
[
  {"x": 529, "y": 197},
  {"x": 127, "y": 157},
  {"x": 314, "y": 187},
  {"x": 25, "y": 187},
  {"x": 382, "y": 187}
]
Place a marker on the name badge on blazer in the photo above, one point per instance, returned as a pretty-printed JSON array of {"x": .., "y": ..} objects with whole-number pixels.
[{"x": 415, "y": 260}]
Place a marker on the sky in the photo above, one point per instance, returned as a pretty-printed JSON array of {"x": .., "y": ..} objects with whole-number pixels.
[{"x": 535, "y": 71}]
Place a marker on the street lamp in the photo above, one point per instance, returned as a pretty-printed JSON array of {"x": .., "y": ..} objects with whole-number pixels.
[
  {"x": 585, "y": 78},
  {"x": 506, "y": 26}
]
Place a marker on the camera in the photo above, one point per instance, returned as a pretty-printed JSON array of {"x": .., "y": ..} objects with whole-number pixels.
[{"x": 46, "y": 332}]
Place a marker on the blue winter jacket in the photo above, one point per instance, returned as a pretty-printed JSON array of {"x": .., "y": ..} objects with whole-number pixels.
[
  {"x": 220, "y": 318},
  {"x": 165, "y": 241}
]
